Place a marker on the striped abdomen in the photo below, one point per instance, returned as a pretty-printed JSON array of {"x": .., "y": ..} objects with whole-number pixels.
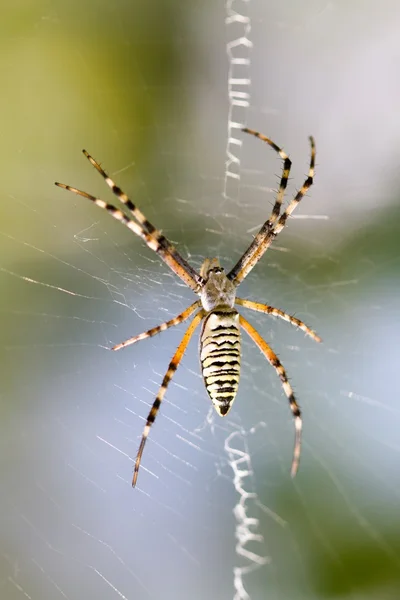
[{"x": 220, "y": 356}]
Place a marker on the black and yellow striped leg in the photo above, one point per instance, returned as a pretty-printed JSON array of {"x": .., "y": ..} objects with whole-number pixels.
[
  {"x": 154, "y": 240},
  {"x": 300, "y": 194},
  {"x": 287, "y": 388},
  {"x": 136, "y": 212},
  {"x": 287, "y": 163},
  {"x": 276, "y": 312},
  {"x": 175, "y": 321},
  {"x": 259, "y": 238},
  {"x": 139, "y": 216},
  {"x": 173, "y": 365},
  {"x": 268, "y": 233}
]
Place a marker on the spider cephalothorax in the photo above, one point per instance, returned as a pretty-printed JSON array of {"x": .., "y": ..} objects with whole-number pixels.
[
  {"x": 217, "y": 289},
  {"x": 220, "y": 335}
]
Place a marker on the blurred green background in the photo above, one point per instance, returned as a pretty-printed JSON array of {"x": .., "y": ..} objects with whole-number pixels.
[{"x": 144, "y": 87}]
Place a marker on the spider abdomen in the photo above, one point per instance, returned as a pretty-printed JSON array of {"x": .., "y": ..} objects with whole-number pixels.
[{"x": 220, "y": 357}]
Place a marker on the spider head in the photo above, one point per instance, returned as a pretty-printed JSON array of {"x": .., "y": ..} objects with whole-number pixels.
[
  {"x": 210, "y": 265},
  {"x": 217, "y": 290}
]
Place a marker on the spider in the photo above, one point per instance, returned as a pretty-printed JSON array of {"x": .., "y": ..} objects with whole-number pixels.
[{"x": 220, "y": 334}]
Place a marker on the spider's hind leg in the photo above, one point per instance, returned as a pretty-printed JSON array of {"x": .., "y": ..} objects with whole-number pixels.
[
  {"x": 287, "y": 388},
  {"x": 173, "y": 365}
]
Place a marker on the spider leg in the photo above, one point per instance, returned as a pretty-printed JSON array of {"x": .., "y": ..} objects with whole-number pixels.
[
  {"x": 175, "y": 321},
  {"x": 173, "y": 365},
  {"x": 300, "y": 194},
  {"x": 136, "y": 213},
  {"x": 276, "y": 312},
  {"x": 287, "y": 388},
  {"x": 267, "y": 234},
  {"x": 154, "y": 239},
  {"x": 139, "y": 216},
  {"x": 287, "y": 163}
]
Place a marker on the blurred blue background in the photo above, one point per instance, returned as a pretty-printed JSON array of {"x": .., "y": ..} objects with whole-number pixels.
[{"x": 144, "y": 87}]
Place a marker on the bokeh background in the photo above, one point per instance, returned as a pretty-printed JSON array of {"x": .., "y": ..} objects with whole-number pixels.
[{"x": 144, "y": 86}]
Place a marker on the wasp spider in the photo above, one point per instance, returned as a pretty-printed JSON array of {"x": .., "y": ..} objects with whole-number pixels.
[{"x": 220, "y": 334}]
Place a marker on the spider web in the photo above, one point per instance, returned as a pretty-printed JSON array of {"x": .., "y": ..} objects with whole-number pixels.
[{"x": 158, "y": 92}]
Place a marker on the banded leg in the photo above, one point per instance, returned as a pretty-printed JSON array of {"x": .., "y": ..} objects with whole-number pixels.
[
  {"x": 139, "y": 216},
  {"x": 173, "y": 365},
  {"x": 175, "y": 321},
  {"x": 266, "y": 235},
  {"x": 300, "y": 194},
  {"x": 287, "y": 388},
  {"x": 154, "y": 240},
  {"x": 276, "y": 312},
  {"x": 287, "y": 163},
  {"x": 136, "y": 212}
]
